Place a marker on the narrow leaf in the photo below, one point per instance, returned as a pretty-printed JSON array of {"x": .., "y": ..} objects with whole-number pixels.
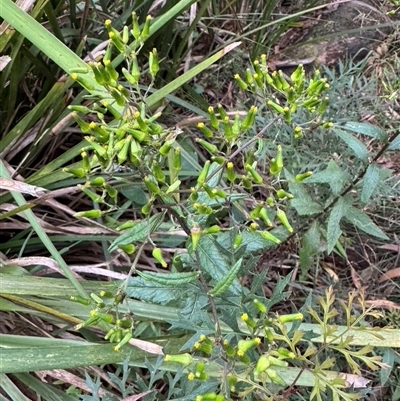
[
  {"x": 370, "y": 182},
  {"x": 333, "y": 231},
  {"x": 138, "y": 232},
  {"x": 353, "y": 143},
  {"x": 364, "y": 223},
  {"x": 366, "y": 129}
]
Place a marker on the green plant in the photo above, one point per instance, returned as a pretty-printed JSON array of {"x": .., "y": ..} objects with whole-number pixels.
[
  {"x": 204, "y": 208},
  {"x": 232, "y": 211}
]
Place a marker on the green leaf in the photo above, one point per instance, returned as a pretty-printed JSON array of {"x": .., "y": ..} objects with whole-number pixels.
[
  {"x": 226, "y": 281},
  {"x": 366, "y": 129},
  {"x": 395, "y": 145},
  {"x": 310, "y": 246},
  {"x": 332, "y": 175},
  {"x": 333, "y": 231},
  {"x": 302, "y": 201},
  {"x": 139, "y": 288},
  {"x": 138, "y": 232},
  {"x": 212, "y": 261},
  {"x": 370, "y": 182},
  {"x": 353, "y": 143},
  {"x": 364, "y": 223},
  {"x": 169, "y": 279},
  {"x": 279, "y": 295},
  {"x": 387, "y": 358}
]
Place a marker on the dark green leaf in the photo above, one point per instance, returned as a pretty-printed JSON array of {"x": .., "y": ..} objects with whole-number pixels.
[
  {"x": 212, "y": 261},
  {"x": 364, "y": 223},
  {"x": 310, "y": 246},
  {"x": 388, "y": 359},
  {"x": 333, "y": 231},
  {"x": 395, "y": 145},
  {"x": 332, "y": 175},
  {"x": 370, "y": 182},
  {"x": 156, "y": 293},
  {"x": 353, "y": 143},
  {"x": 366, "y": 129},
  {"x": 279, "y": 295},
  {"x": 138, "y": 233}
]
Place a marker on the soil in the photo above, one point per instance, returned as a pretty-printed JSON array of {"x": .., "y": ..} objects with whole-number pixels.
[{"x": 347, "y": 30}]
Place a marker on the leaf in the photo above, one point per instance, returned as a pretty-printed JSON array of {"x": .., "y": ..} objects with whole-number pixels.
[
  {"x": 353, "y": 143},
  {"x": 305, "y": 206},
  {"x": 332, "y": 175},
  {"x": 370, "y": 182},
  {"x": 212, "y": 261},
  {"x": 309, "y": 247},
  {"x": 138, "y": 232},
  {"x": 169, "y": 279},
  {"x": 278, "y": 295},
  {"x": 388, "y": 359},
  {"x": 226, "y": 281},
  {"x": 155, "y": 293},
  {"x": 364, "y": 223},
  {"x": 395, "y": 145},
  {"x": 366, "y": 129},
  {"x": 333, "y": 231}
]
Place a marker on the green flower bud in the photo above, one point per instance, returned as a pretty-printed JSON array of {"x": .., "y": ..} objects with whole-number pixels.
[
  {"x": 201, "y": 179},
  {"x": 263, "y": 364},
  {"x": 297, "y": 133},
  {"x": 146, "y": 28},
  {"x": 157, "y": 255},
  {"x": 282, "y": 194},
  {"x": 260, "y": 306},
  {"x": 281, "y": 216},
  {"x": 204, "y": 348},
  {"x": 90, "y": 214},
  {"x": 129, "y": 249},
  {"x": 254, "y": 174},
  {"x": 112, "y": 72},
  {"x": 80, "y": 300},
  {"x": 249, "y": 77},
  {"x": 83, "y": 125},
  {"x": 274, "y": 377},
  {"x": 97, "y": 182},
  {"x": 303, "y": 176},
  {"x": 264, "y": 217},
  {"x": 230, "y": 172},
  {"x": 249, "y": 119},
  {"x": 290, "y": 318},
  {"x": 153, "y": 63},
  {"x": 270, "y": 237},
  {"x": 165, "y": 148},
  {"x": 275, "y": 106},
  {"x": 183, "y": 359},
  {"x": 122, "y": 155},
  {"x": 242, "y": 85},
  {"x": 249, "y": 322},
  {"x": 237, "y": 241},
  {"x": 135, "y": 31},
  {"x": 78, "y": 172},
  {"x": 229, "y": 350},
  {"x": 213, "y": 118},
  {"x": 125, "y": 35},
  {"x": 205, "y": 130},
  {"x": 255, "y": 213},
  {"x": 125, "y": 340},
  {"x": 195, "y": 234}
]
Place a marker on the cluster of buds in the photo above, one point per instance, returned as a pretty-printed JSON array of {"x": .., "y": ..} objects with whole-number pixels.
[{"x": 121, "y": 330}]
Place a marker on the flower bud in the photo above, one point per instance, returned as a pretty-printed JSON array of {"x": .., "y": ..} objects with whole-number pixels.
[
  {"x": 183, "y": 359},
  {"x": 263, "y": 363},
  {"x": 281, "y": 216},
  {"x": 290, "y": 318},
  {"x": 157, "y": 255}
]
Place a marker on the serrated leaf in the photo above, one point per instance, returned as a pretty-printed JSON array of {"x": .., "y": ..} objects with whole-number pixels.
[
  {"x": 366, "y": 129},
  {"x": 388, "y": 359},
  {"x": 353, "y": 143},
  {"x": 155, "y": 293},
  {"x": 279, "y": 295},
  {"x": 333, "y": 231},
  {"x": 305, "y": 206},
  {"x": 227, "y": 281},
  {"x": 309, "y": 247},
  {"x": 395, "y": 145},
  {"x": 370, "y": 182},
  {"x": 332, "y": 175},
  {"x": 212, "y": 261},
  {"x": 138, "y": 233},
  {"x": 364, "y": 223},
  {"x": 169, "y": 279}
]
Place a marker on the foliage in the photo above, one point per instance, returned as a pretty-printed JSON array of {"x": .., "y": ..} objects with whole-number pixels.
[{"x": 207, "y": 201}]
